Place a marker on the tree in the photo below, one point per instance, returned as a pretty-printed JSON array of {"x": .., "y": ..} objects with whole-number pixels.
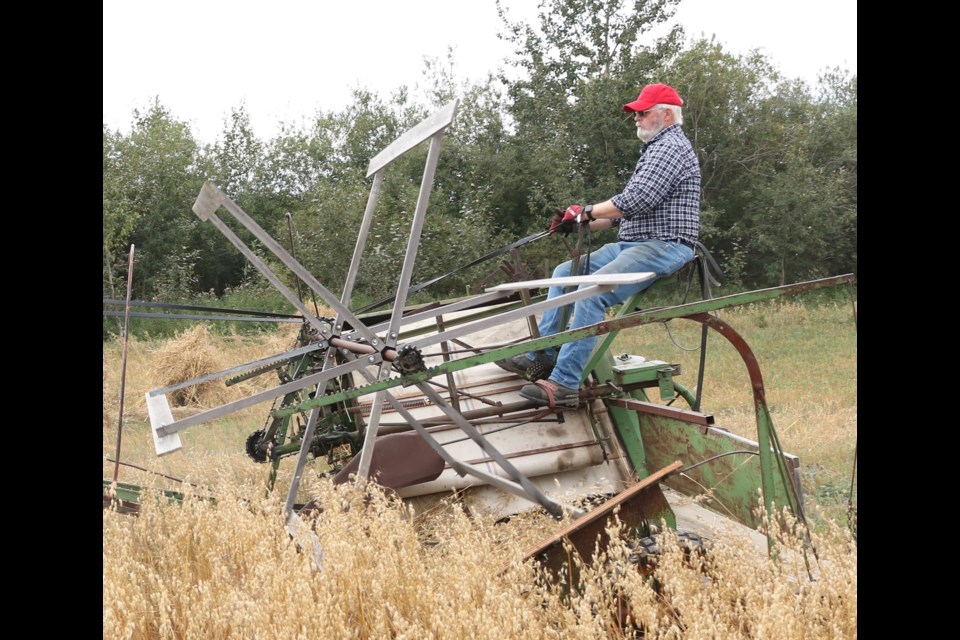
[
  {"x": 119, "y": 217},
  {"x": 151, "y": 181},
  {"x": 771, "y": 157}
]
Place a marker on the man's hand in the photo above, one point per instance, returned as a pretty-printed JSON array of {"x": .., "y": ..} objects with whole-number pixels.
[{"x": 564, "y": 220}]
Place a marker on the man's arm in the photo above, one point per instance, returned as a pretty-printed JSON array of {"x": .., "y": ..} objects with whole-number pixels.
[{"x": 604, "y": 212}]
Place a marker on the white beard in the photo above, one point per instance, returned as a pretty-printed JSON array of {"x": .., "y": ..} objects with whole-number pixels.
[{"x": 646, "y": 135}]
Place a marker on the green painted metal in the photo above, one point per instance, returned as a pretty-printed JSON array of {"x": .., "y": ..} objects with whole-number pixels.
[
  {"x": 777, "y": 475},
  {"x": 729, "y": 483},
  {"x": 333, "y": 420},
  {"x": 764, "y": 425},
  {"x": 282, "y": 425},
  {"x": 665, "y": 383},
  {"x": 626, "y": 424},
  {"x": 601, "y": 350},
  {"x": 628, "y": 428},
  {"x": 650, "y": 371},
  {"x": 275, "y": 463},
  {"x": 771, "y": 454},
  {"x": 684, "y": 393},
  {"x": 126, "y": 498}
]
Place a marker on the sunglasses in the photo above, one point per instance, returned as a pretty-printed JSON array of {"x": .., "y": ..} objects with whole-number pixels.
[{"x": 643, "y": 114}]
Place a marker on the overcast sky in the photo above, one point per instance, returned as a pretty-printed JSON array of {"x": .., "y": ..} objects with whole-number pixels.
[{"x": 287, "y": 59}]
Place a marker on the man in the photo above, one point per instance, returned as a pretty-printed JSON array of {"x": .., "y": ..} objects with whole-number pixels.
[{"x": 658, "y": 219}]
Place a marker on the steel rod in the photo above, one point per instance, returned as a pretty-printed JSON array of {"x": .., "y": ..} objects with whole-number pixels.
[{"x": 123, "y": 366}]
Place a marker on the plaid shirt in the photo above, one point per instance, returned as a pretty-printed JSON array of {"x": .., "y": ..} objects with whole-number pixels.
[{"x": 662, "y": 199}]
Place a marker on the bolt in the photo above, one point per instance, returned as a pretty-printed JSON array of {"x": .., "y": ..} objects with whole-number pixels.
[
  {"x": 375, "y": 342},
  {"x": 370, "y": 359}
]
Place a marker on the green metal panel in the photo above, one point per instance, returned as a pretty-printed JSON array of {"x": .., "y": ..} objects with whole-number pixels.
[
  {"x": 126, "y": 498},
  {"x": 628, "y": 428},
  {"x": 730, "y": 483}
]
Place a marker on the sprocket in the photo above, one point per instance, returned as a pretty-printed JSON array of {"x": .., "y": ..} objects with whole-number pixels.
[
  {"x": 409, "y": 360},
  {"x": 256, "y": 446}
]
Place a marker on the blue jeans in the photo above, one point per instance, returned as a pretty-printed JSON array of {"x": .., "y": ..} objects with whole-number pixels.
[{"x": 658, "y": 256}]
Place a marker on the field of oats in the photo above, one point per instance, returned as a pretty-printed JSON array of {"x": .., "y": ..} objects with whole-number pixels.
[{"x": 228, "y": 569}]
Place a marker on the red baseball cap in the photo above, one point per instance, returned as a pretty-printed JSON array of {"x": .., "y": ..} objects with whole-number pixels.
[{"x": 653, "y": 94}]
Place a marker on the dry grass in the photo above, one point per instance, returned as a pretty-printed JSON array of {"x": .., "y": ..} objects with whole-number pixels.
[
  {"x": 229, "y": 570},
  {"x": 192, "y": 354},
  {"x": 152, "y": 365}
]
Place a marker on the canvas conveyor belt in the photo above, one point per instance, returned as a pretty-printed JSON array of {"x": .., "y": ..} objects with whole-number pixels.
[{"x": 565, "y": 454}]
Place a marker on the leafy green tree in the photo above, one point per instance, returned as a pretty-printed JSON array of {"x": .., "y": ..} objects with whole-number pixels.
[
  {"x": 834, "y": 151},
  {"x": 233, "y": 163},
  {"x": 777, "y": 197},
  {"x": 151, "y": 181},
  {"x": 119, "y": 218},
  {"x": 779, "y": 165}
]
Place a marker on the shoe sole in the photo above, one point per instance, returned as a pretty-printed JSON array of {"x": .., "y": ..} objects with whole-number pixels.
[
  {"x": 509, "y": 366},
  {"x": 525, "y": 373}
]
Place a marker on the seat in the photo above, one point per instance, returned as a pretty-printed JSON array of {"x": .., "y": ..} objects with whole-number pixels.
[{"x": 703, "y": 265}]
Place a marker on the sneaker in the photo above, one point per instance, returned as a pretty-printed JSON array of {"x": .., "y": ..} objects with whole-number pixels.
[
  {"x": 550, "y": 393},
  {"x": 526, "y": 368}
]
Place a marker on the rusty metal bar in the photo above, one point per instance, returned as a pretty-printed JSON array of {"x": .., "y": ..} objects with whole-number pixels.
[
  {"x": 451, "y": 383},
  {"x": 123, "y": 367},
  {"x": 693, "y": 417},
  {"x": 588, "y": 532},
  {"x": 456, "y": 393}
]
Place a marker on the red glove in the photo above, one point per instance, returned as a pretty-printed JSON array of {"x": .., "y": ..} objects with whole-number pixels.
[{"x": 564, "y": 220}]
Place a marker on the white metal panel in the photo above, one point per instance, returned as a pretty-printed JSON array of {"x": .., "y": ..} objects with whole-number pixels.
[
  {"x": 426, "y": 128},
  {"x": 617, "y": 279},
  {"x": 159, "y": 411}
]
